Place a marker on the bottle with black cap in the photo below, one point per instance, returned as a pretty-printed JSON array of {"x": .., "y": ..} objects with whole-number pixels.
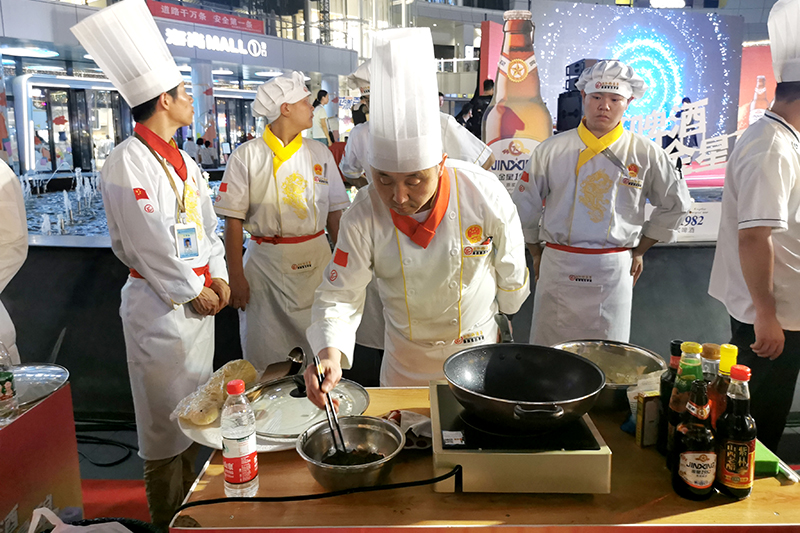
[{"x": 667, "y": 383}]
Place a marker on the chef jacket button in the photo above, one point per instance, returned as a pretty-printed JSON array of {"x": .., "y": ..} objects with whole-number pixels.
[
  {"x": 406, "y": 261},
  {"x": 411, "y": 292},
  {"x": 452, "y": 215},
  {"x": 439, "y": 343},
  {"x": 454, "y": 252},
  {"x": 454, "y": 322},
  {"x": 453, "y": 284},
  {"x": 414, "y": 322}
]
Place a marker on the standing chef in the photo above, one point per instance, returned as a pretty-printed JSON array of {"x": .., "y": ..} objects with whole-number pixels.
[
  {"x": 443, "y": 240},
  {"x": 595, "y": 181},
  {"x": 13, "y": 247},
  {"x": 162, "y": 226},
  {"x": 284, "y": 189}
]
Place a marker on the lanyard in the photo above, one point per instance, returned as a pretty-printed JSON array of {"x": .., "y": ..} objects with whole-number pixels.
[{"x": 181, "y": 198}]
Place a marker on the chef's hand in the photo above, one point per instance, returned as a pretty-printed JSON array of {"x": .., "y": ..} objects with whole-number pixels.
[
  {"x": 240, "y": 292},
  {"x": 637, "y": 266},
  {"x": 769, "y": 337},
  {"x": 223, "y": 292},
  {"x": 329, "y": 359},
  {"x": 206, "y": 302}
]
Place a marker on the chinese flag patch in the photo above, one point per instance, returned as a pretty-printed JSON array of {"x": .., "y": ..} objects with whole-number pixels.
[
  {"x": 525, "y": 177},
  {"x": 140, "y": 194},
  {"x": 340, "y": 258},
  {"x": 223, "y": 187}
]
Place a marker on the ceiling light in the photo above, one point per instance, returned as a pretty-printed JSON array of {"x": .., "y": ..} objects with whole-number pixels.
[
  {"x": 46, "y": 68},
  {"x": 28, "y": 52},
  {"x": 222, "y": 72},
  {"x": 9, "y": 62},
  {"x": 185, "y": 68},
  {"x": 269, "y": 73},
  {"x": 667, "y": 4}
]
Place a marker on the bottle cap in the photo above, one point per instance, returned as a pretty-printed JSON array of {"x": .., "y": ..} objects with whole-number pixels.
[
  {"x": 675, "y": 347},
  {"x": 235, "y": 386},
  {"x": 517, "y": 15},
  {"x": 727, "y": 359},
  {"x": 691, "y": 347},
  {"x": 711, "y": 351},
  {"x": 740, "y": 373}
]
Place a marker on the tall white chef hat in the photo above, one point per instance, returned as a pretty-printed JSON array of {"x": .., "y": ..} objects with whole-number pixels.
[
  {"x": 784, "y": 19},
  {"x": 611, "y": 76},
  {"x": 404, "y": 127},
  {"x": 360, "y": 78},
  {"x": 278, "y": 91},
  {"x": 125, "y": 41}
]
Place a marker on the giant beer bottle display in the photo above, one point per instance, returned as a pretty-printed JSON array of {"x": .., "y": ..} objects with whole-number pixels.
[{"x": 517, "y": 119}]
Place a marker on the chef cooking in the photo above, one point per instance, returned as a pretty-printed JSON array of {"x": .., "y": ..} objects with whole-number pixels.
[
  {"x": 155, "y": 198},
  {"x": 441, "y": 236},
  {"x": 595, "y": 181}
]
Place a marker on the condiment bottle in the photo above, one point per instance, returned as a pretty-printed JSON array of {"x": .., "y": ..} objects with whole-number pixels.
[
  {"x": 517, "y": 119},
  {"x": 736, "y": 439},
  {"x": 717, "y": 392},
  {"x": 689, "y": 369},
  {"x": 667, "y": 383},
  {"x": 695, "y": 455},
  {"x": 710, "y": 361}
]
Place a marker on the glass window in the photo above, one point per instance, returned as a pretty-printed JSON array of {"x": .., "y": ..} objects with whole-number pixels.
[
  {"x": 41, "y": 131},
  {"x": 102, "y": 121},
  {"x": 59, "y": 111}
]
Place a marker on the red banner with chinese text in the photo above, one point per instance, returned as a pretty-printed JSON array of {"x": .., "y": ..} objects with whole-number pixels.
[{"x": 202, "y": 16}]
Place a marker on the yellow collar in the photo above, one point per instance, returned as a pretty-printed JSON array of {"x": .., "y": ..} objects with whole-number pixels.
[
  {"x": 282, "y": 153},
  {"x": 594, "y": 145}
]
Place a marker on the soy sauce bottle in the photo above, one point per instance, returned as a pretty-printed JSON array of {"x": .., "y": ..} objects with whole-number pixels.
[
  {"x": 736, "y": 439},
  {"x": 689, "y": 370},
  {"x": 667, "y": 383},
  {"x": 718, "y": 391},
  {"x": 694, "y": 455}
]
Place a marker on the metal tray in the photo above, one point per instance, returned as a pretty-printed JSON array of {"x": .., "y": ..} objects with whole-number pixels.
[{"x": 38, "y": 381}]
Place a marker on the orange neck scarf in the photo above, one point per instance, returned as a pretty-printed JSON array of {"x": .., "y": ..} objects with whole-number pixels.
[
  {"x": 422, "y": 233},
  {"x": 168, "y": 151}
]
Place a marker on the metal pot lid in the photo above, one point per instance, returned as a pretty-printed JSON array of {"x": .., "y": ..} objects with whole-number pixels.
[
  {"x": 35, "y": 382},
  {"x": 282, "y": 413}
]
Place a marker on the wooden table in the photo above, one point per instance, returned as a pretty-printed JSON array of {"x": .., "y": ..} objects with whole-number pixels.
[{"x": 641, "y": 494}]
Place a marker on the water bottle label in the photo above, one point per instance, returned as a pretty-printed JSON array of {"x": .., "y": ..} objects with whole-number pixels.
[
  {"x": 737, "y": 464},
  {"x": 240, "y": 459},
  {"x": 7, "y": 390},
  {"x": 697, "y": 469}
]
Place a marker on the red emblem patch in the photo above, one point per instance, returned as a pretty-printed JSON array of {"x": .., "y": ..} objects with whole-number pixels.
[
  {"x": 149, "y": 208},
  {"x": 340, "y": 258},
  {"x": 334, "y": 275},
  {"x": 525, "y": 177},
  {"x": 223, "y": 187},
  {"x": 468, "y": 250},
  {"x": 294, "y": 267},
  {"x": 317, "y": 169},
  {"x": 140, "y": 194}
]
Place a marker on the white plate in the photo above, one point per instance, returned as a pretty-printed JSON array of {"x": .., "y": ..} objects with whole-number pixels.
[{"x": 211, "y": 436}]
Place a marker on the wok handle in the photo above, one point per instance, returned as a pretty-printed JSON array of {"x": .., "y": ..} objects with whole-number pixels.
[
  {"x": 504, "y": 327},
  {"x": 555, "y": 413}
]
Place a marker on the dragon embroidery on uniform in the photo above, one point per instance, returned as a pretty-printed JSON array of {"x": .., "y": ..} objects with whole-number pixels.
[
  {"x": 293, "y": 189},
  {"x": 593, "y": 192},
  {"x": 192, "y": 205}
]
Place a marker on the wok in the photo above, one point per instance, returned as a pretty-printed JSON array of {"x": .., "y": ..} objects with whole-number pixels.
[{"x": 523, "y": 386}]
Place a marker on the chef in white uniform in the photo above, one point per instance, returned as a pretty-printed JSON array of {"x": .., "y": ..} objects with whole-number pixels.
[
  {"x": 284, "y": 190},
  {"x": 457, "y": 141},
  {"x": 162, "y": 226},
  {"x": 595, "y": 181},
  {"x": 444, "y": 243},
  {"x": 13, "y": 247}
]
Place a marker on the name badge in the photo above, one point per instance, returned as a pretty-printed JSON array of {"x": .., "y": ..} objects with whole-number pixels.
[
  {"x": 186, "y": 240},
  {"x": 483, "y": 248}
]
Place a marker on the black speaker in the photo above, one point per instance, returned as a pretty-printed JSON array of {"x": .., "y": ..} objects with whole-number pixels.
[
  {"x": 575, "y": 69},
  {"x": 570, "y": 111}
]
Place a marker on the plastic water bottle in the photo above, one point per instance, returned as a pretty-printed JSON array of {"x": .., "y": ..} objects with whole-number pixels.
[
  {"x": 8, "y": 391},
  {"x": 238, "y": 424}
]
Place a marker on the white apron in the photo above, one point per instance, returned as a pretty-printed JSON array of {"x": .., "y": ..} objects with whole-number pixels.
[
  {"x": 283, "y": 278},
  {"x": 428, "y": 359},
  {"x": 582, "y": 296},
  {"x": 170, "y": 352}
]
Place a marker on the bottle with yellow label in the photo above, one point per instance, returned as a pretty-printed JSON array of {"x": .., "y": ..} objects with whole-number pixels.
[
  {"x": 517, "y": 119},
  {"x": 736, "y": 439}
]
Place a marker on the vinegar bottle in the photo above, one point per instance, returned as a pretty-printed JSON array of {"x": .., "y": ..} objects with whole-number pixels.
[
  {"x": 736, "y": 439},
  {"x": 717, "y": 392},
  {"x": 517, "y": 119},
  {"x": 695, "y": 455},
  {"x": 689, "y": 370},
  {"x": 667, "y": 383}
]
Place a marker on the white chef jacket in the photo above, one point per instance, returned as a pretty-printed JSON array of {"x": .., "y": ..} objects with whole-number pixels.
[
  {"x": 169, "y": 346},
  {"x": 602, "y": 208},
  {"x": 13, "y": 247},
  {"x": 762, "y": 189},
  {"x": 438, "y": 299},
  {"x": 457, "y": 143},
  {"x": 190, "y": 147},
  {"x": 282, "y": 277}
]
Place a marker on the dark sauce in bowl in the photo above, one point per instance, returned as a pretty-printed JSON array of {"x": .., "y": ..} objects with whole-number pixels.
[{"x": 351, "y": 458}]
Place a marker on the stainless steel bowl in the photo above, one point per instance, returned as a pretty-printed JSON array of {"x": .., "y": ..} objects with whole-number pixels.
[
  {"x": 363, "y": 433},
  {"x": 622, "y": 363}
]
